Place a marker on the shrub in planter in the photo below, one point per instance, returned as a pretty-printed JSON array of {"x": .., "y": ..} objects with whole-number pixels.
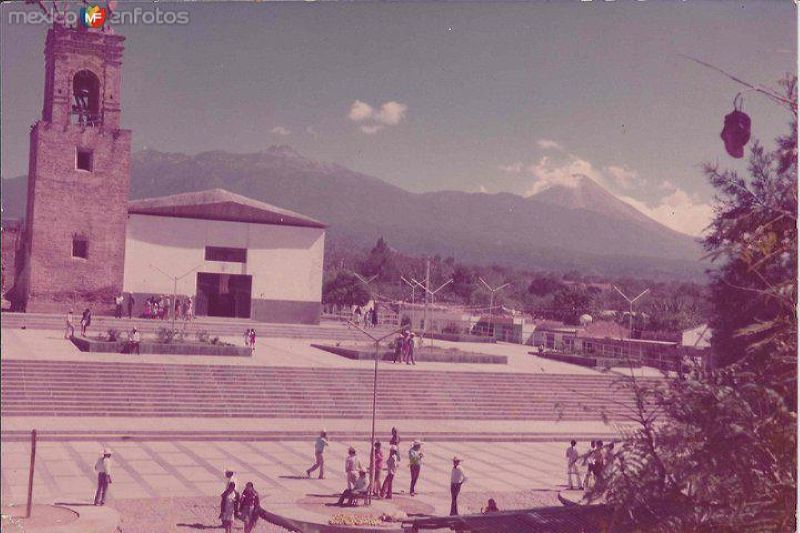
[
  {"x": 114, "y": 335},
  {"x": 164, "y": 335},
  {"x": 203, "y": 336}
]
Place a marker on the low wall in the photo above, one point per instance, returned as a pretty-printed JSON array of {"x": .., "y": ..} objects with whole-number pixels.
[
  {"x": 176, "y": 348},
  {"x": 574, "y": 359},
  {"x": 459, "y": 337},
  {"x": 421, "y": 355}
]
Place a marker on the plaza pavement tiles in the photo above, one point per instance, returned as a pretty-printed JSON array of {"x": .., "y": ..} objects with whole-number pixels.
[{"x": 153, "y": 470}]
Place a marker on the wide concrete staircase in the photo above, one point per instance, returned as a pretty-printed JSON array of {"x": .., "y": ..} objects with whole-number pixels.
[
  {"x": 70, "y": 388},
  {"x": 221, "y": 327}
]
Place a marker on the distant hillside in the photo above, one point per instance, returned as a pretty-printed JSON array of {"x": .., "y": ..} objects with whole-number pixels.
[{"x": 584, "y": 228}]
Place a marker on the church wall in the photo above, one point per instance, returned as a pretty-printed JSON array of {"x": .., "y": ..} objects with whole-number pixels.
[{"x": 285, "y": 262}]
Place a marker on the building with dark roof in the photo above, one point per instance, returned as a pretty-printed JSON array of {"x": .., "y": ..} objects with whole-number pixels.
[{"x": 234, "y": 256}]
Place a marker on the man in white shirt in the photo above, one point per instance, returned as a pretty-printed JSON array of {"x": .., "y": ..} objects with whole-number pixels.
[
  {"x": 319, "y": 450},
  {"x": 572, "y": 466},
  {"x": 103, "y": 469},
  {"x": 134, "y": 341},
  {"x": 457, "y": 478},
  {"x": 118, "y": 302}
]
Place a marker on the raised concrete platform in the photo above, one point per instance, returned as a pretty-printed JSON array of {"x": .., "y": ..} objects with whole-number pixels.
[{"x": 423, "y": 355}]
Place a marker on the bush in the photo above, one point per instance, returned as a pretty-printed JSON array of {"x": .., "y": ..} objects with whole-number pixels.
[
  {"x": 203, "y": 336},
  {"x": 114, "y": 334},
  {"x": 405, "y": 321},
  {"x": 165, "y": 336}
]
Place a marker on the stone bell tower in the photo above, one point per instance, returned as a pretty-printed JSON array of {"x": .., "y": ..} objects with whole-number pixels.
[{"x": 78, "y": 177}]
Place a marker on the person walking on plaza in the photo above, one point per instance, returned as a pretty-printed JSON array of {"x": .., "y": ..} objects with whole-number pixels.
[
  {"x": 375, "y": 316},
  {"x": 251, "y": 338},
  {"x": 395, "y": 438},
  {"x": 410, "y": 351},
  {"x": 415, "y": 456},
  {"x": 118, "y": 306},
  {"x": 86, "y": 321},
  {"x": 457, "y": 478},
  {"x": 103, "y": 469},
  {"x": 398, "y": 349},
  {"x": 69, "y": 330},
  {"x": 572, "y": 466},
  {"x": 189, "y": 310},
  {"x": 319, "y": 455},
  {"x": 391, "y": 469},
  {"x": 377, "y": 469},
  {"x": 131, "y": 301},
  {"x": 228, "y": 505},
  {"x": 351, "y": 467},
  {"x": 404, "y": 349},
  {"x": 249, "y": 507}
]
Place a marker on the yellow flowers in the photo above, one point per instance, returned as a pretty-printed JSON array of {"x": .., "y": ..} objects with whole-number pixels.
[{"x": 354, "y": 519}]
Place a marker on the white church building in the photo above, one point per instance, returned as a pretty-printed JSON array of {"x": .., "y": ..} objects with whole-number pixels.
[{"x": 236, "y": 257}]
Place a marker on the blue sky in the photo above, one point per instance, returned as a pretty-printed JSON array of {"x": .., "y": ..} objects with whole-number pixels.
[{"x": 494, "y": 97}]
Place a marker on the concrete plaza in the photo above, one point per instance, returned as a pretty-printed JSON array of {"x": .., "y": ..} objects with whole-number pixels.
[{"x": 163, "y": 469}]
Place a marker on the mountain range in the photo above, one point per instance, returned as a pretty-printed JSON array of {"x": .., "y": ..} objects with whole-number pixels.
[{"x": 582, "y": 227}]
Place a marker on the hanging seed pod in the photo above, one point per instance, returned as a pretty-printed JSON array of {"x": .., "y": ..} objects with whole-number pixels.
[{"x": 736, "y": 132}]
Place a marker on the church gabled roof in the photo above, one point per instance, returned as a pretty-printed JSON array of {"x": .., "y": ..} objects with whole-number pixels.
[{"x": 219, "y": 204}]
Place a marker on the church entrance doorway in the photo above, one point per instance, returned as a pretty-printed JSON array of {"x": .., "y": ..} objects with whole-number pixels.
[{"x": 226, "y": 295}]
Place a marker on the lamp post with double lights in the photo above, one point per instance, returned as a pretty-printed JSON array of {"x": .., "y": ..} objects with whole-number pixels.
[
  {"x": 491, "y": 300},
  {"x": 377, "y": 342},
  {"x": 175, "y": 280}
]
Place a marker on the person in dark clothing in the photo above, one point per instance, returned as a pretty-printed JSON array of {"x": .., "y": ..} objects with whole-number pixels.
[
  {"x": 131, "y": 301},
  {"x": 86, "y": 321},
  {"x": 375, "y": 316},
  {"x": 249, "y": 507},
  {"x": 398, "y": 349}
]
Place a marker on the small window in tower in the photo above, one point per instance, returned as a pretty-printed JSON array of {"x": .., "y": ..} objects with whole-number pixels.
[
  {"x": 85, "y": 160},
  {"x": 80, "y": 247}
]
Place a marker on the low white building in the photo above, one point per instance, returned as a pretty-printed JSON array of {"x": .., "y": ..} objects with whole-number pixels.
[{"x": 234, "y": 256}]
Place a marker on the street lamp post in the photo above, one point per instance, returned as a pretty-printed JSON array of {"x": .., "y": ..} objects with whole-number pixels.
[
  {"x": 631, "y": 302},
  {"x": 175, "y": 280},
  {"x": 491, "y": 300},
  {"x": 630, "y": 317},
  {"x": 376, "y": 341},
  {"x": 429, "y": 295}
]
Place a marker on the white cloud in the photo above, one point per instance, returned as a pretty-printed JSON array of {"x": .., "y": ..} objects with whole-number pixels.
[
  {"x": 623, "y": 176},
  {"x": 280, "y": 130},
  {"x": 360, "y": 111},
  {"x": 371, "y": 129},
  {"x": 548, "y": 144},
  {"x": 390, "y": 114},
  {"x": 677, "y": 210},
  {"x": 513, "y": 168},
  {"x": 564, "y": 171}
]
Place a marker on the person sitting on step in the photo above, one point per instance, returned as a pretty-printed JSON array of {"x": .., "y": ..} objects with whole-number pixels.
[{"x": 359, "y": 490}]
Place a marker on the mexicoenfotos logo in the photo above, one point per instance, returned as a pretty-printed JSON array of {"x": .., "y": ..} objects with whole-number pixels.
[{"x": 93, "y": 16}]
